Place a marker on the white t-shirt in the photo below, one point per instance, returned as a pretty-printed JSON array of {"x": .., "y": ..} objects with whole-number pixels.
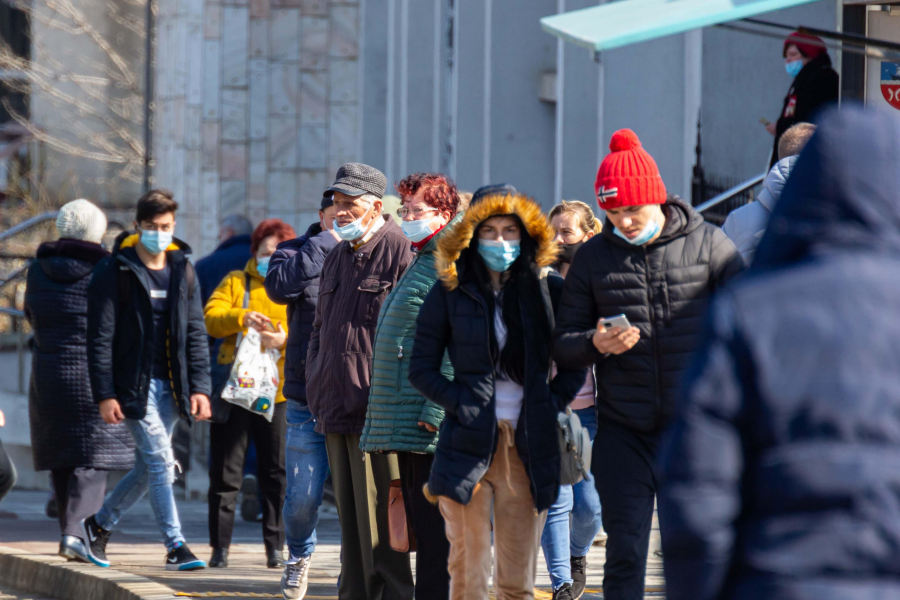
[{"x": 509, "y": 395}]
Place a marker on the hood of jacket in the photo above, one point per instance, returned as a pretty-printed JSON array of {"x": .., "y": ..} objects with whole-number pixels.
[
  {"x": 774, "y": 183},
  {"x": 68, "y": 260},
  {"x": 130, "y": 240},
  {"x": 451, "y": 245},
  {"x": 681, "y": 219},
  {"x": 842, "y": 193}
]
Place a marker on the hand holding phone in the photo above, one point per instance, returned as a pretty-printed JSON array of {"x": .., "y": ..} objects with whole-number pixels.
[{"x": 615, "y": 335}]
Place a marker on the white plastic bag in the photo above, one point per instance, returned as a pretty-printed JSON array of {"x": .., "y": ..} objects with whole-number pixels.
[{"x": 253, "y": 382}]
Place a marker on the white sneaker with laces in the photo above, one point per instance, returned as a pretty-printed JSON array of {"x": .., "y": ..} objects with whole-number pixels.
[{"x": 295, "y": 579}]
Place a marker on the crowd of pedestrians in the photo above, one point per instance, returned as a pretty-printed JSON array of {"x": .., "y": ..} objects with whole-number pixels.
[{"x": 424, "y": 368}]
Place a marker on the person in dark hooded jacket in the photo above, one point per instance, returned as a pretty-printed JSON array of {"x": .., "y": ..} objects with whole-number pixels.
[
  {"x": 68, "y": 437},
  {"x": 780, "y": 475},
  {"x": 149, "y": 365},
  {"x": 657, "y": 262},
  {"x": 497, "y": 458}
]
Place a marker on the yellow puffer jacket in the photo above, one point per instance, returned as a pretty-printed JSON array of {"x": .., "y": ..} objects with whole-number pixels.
[{"x": 224, "y": 314}]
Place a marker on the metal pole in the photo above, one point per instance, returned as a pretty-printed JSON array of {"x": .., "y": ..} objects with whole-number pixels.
[
  {"x": 20, "y": 351},
  {"x": 148, "y": 97}
]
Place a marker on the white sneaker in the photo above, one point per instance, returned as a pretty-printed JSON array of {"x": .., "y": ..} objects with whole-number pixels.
[{"x": 295, "y": 579}]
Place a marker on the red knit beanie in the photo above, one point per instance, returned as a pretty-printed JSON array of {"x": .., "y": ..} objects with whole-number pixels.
[
  {"x": 810, "y": 46},
  {"x": 628, "y": 176}
]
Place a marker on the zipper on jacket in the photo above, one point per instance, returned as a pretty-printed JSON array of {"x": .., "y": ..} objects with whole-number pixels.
[
  {"x": 654, "y": 345},
  {"x": 399, "y": 367}
]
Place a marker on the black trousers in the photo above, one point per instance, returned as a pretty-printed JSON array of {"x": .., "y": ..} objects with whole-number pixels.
[
  {"x": 227, "y": 446},
  {"x": 7, "y": 473},
  {"x": 433, "y": 548},
  {"x": 79, "y": 494},
  {"x": 622, "y": 465}
]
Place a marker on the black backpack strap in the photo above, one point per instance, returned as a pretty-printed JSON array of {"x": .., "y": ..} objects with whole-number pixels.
[
  {"x": 190, "y": 275},
  {"x": 124, "y": 283}
]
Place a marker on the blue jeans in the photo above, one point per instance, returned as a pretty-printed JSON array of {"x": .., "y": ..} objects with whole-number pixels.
[
  {"x": 581, "y": 500},
  {"x": 306, "y": 463},
  {"x": 154, "y": 467}
]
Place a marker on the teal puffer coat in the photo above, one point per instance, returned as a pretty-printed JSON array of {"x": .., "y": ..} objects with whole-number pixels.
[{"x": 395, "y": 407}]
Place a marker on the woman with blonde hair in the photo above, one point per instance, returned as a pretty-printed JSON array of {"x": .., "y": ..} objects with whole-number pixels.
[{"x": 566, "y": 544}]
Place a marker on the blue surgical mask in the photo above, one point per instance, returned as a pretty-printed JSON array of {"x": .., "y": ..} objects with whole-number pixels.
[
  {"x": 646, "y": 234},
  {"x": 499, "y": 255},
  {"x": 262, "y": 266},
  {"x": 794, "y": 67},
  {"x": 351, "y": 231},
  {"x": 416, "y": 231},
  {"x": 156, "y": 241}
]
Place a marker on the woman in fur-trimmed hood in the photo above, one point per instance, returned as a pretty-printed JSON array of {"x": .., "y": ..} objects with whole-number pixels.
[{"x": 493, "y": 314}]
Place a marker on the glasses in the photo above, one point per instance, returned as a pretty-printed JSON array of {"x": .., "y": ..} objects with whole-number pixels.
[{"x": 416, "y": 214}]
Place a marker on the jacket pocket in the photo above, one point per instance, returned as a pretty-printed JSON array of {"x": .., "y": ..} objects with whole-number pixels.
[{"x": 371, "y": 299}]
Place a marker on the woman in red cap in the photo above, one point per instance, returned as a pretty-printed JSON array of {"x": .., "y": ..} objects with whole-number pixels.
[{"x": 815, "y": 83}]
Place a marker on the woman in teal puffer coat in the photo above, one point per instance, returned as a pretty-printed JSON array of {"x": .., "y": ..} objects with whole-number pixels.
[{"x": 398, "y": 418}]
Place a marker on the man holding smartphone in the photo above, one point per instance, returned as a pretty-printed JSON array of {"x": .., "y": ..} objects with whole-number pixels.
[{"x": 656, "y": 262}]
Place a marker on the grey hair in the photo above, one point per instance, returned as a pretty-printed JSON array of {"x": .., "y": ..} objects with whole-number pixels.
[
  {"x": 369, "y": 199},
  {"x": 238, "y": 224}
]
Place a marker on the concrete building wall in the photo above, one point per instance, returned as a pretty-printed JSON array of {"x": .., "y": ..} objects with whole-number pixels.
[{"x": 74, "y": 86}]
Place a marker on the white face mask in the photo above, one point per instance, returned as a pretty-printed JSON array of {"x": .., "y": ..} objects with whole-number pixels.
[
  {"x": 352, "y": 231},
  {"x": 416, "y": 231}
]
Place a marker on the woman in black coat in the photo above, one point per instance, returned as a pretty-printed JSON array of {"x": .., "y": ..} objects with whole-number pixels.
[
  {"x": 497, "y": 450},
  {"x": 68, "y": 436},
  {"x": 815, "y": 84}
]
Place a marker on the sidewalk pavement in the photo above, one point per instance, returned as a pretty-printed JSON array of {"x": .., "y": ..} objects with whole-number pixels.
[{"x": 138, "y": 557}]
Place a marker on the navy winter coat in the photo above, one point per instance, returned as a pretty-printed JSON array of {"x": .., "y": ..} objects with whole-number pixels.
[
  {"x": 66, "y": 428},
  {"x": 455, "y": 320},
  {"x": 230, "y": 255},
  {"x": 780, "y": 476},
  {"x": 120, "y": 340},
  {"x": 293, "y": 279}
]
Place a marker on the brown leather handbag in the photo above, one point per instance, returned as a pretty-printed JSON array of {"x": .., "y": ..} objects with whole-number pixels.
[{"x": 402, "y": 538}]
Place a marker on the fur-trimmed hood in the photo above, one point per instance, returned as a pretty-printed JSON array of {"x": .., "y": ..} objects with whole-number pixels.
[{"x": 451, "y": 245}]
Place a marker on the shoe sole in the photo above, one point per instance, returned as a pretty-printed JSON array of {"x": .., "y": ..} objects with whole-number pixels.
[
  {"x": 70, "y": 554},
  {"x": 87, "y": 548},
  {"x": 191, "y": 566}
]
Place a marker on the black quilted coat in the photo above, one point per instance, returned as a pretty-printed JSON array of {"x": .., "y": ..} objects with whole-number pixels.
[
  {"x": 663, "y": 289},
  {"x": 66, "y": 428}
]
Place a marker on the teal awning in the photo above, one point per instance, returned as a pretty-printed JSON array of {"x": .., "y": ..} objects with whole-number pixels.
[{"x": 631, "y": 21}]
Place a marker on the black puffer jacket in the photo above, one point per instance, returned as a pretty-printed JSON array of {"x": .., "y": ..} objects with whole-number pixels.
[
  {"x": 455, "y": 320},
  {"x": 663, "y": 289},
  {"x": 66, "y": 428},
  {"x": 120, "y": 340}
]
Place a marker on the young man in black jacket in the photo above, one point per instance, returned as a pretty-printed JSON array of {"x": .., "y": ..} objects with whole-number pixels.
[
  {"x": 149, "y": 364},
  {"x": 657, "y": 262}
]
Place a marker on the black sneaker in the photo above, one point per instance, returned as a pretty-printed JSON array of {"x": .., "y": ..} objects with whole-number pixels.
[
  {"x": 95, "y": 540},
  {"x": 182, "y": 559},
  {"x": 564, "y": 593},
  {"x": 579, "y": 575}
]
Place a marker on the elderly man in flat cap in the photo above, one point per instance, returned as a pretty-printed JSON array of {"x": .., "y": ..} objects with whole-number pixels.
[{"x": 356, "y": 278}]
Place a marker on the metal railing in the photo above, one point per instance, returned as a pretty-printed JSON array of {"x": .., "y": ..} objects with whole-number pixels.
[
  {"x": 18, "y": 315},
  {"x": 731, "y": 193}
]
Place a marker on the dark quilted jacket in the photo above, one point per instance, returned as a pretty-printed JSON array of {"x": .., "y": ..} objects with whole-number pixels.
[
  {"x": 66, "y": 428},
  {"x": 396, "y": 407},
  {"x": 663, "y": 289},
  {"x": 293, "y": 279}
]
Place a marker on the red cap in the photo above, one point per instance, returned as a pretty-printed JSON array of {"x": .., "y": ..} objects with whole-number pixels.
[
  {"x": 810, "y": 46},
  {"x": 628, "y": 176}
]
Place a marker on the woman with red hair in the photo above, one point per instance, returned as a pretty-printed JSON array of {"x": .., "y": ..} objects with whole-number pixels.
[
  {"x": 815, "y": 83},
  {"x": 232, "y": 428}
]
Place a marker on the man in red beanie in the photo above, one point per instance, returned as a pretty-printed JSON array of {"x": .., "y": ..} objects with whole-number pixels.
[
  {"x": 815, "y": 83},
  {"x": 656, "y": 262}
]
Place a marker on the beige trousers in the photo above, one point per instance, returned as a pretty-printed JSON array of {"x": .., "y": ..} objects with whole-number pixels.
[{"x": 517, "y": 530}]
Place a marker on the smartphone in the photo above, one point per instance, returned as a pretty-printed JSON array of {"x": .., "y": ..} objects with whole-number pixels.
[
  {"x": 765, "y": 121},
  {"x": 620, "y": 321},
  {"x": 270, "y": 327}
]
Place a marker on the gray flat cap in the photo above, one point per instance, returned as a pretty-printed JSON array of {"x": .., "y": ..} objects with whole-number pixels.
[{"x": 356, "y": 179}]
